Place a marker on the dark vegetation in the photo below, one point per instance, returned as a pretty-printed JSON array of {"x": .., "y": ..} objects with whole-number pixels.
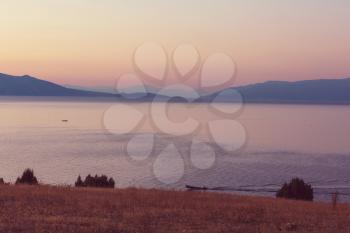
[
  {"x": 296, "y": 189},
  {"x": 27, "y": 177},
  {"x": 95, "y": 181},
  {"x": 102, "y": 181}
]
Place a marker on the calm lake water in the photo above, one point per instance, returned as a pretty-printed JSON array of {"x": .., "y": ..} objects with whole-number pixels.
[{"x": 282, "y": 141}]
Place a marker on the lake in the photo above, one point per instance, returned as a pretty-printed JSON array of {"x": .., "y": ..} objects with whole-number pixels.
[{"x": 280, "y": 142}]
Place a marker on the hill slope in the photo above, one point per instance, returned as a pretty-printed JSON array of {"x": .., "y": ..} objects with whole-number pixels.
[
  {"x": 334, "y": 91},
  {"x": 327, "y": 91},
  {"x": 30, "y": 86}
]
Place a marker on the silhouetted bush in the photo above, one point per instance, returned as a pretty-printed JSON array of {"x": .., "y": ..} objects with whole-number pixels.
[
  {"x": 111, "y": 182},
  {"x": 95, "y": 181},
  {"x": 27, "y": 178},
  {"x": 79, "y": 182},
  {"x": 2, "y": 182},
  {"x": 296, "y": 189}
]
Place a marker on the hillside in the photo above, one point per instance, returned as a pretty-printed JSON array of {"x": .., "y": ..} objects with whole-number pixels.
[
  {"x": 334, "y": 91},
  {"x": 30, "y": 86},
  {"x": 52, "y": 209},
  {"x": 323, "y": 91},
  {"x": 327, "y": 91}
]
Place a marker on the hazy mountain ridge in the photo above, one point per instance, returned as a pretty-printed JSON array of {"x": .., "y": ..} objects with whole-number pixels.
[
  {"x": 323, "y": 91},
  {"x": 30, "y": 86},
  {"x": 309, "y": 91}
]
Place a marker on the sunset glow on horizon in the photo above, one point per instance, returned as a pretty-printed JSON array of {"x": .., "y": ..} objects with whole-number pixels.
[{"x": 91, "y": 43}]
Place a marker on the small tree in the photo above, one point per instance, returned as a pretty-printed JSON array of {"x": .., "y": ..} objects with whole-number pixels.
[
  {"x": 111, "y": 182},
  {"x": 89, "y": 181},
  {"x": 296, "y": 189},
  {"x": 95, "y": 181},
  {"x": 27, "y": 178},
  {"x": 79, "y": 182}
]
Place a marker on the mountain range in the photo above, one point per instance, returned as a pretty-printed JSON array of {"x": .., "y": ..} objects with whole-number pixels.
[
  {"x": 30, "y": 86},
  {"x": 324, "y": 91}
]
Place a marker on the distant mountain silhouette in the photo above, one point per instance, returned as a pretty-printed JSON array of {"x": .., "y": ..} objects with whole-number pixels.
[
  {"x": 324, "y": 91},
  {"x": 30, "y": 86},
  {"x": 113, "y": 90},
  {"x": 103, "y": 89}
]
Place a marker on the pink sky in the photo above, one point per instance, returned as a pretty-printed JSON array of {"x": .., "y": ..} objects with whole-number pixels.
[{"x": 91, "y": 43}]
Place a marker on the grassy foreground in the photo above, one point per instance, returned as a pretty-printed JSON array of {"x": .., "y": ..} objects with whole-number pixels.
[{"x": 54, "y": 209}]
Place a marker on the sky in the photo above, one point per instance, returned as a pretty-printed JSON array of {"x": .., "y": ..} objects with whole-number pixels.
[{"x": 91, "y": 42}]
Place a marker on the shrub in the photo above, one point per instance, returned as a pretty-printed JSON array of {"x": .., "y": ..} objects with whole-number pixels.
[
  {"x": 96, "y": 181},
  {"x": 27, "y": 178},
  {"x": 79, "y": 182},
  {"x": 111, "y": 182},
  {"x": 296, "y": 189}
]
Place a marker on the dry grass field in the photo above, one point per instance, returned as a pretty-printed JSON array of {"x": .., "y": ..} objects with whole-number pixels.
[{"x": 58, "y": 209}]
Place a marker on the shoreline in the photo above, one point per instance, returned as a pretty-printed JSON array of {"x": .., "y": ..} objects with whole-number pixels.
[{"x": 116, "y": 99}]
